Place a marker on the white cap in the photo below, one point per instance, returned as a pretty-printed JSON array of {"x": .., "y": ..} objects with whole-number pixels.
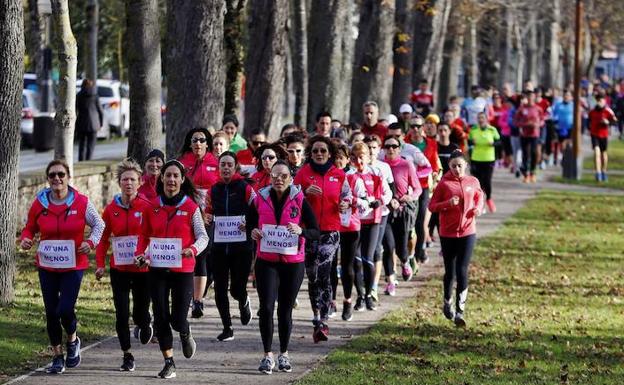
[
  {"x": 405, "y": 108},
  {"x": 391, "y": 119}
]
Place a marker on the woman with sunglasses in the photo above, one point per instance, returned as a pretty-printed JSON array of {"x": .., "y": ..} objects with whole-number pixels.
[
  {"x": 201, "y": 168},
  {"x": 295, "y": 147},
  {"x": 279, "y": 273},
  {"x": 175, "y": 232},
  {"x": 123, "y": 218},
  {"x": 153, "y": 163},
  {"x": 231, "y": 255},
  {"x": 59, "y": 215},
  {"x": 404, "y": 205},
  {"x": 327, "y": 189},
  {"x": 266, "y": 157}
]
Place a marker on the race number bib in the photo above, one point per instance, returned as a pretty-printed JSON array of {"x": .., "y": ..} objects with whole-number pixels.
[
  {"x": 226, "y": 229},
  {"x": 57, "y": 254},
  {"x": 123, "y": 249},
  {"x": 277, "y": 239},
  {"x": 166, "y": 252}
]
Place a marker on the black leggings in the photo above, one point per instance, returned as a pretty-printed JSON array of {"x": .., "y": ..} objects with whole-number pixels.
[
  {"x": 349, "y": 243},
  {"x": 164, "y": 282},
  {"x": 122, "y": 283},
  {"x": 419, "y": 227},
  {"x": 483, "y": 171},
  {"x": 236, "y": 263},
  {"x": 397, "y": 233},
  {"x": 281, "y": 282},
  {"x": 380, "y": 237},
  {"x": 529, "y": 155},
  {"x": 60, "y": 292},
  {"x": 457, "y": 253},
  {"x": 368, "y": 244}
]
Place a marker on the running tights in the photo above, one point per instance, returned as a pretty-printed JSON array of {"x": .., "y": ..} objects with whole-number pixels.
[{"x": 457, "y": 253}]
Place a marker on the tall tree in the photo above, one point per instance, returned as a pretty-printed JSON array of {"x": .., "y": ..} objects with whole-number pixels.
[
  {"x": 532, "y": 46},
  {"x": 373, "y": 56},
  {"x": 65, "y": 118},
  {"x": 299, "y": 51},
  {"x": 144, "y": 70},
  {"x": 553, "y": 72},
  {"x": 432, "y": 63},
  {"x": 93, "y": 12},
  {"x": 448, "y": 82},
  {"x": 233, "y": 25},
  {"x": 11, "y": 75},
  {"x": 403, "y": 51},
  {"x": 195, "y": 68},
  {"x": 265, "y": 64}
]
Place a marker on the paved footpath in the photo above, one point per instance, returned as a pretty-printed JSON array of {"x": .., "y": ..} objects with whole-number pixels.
[{"x": 237, "y": 361}]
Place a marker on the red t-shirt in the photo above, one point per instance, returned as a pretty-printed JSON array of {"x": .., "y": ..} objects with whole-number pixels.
[
  {"x": 378, "y": 129},
  {"x": 597, "y": 127}
]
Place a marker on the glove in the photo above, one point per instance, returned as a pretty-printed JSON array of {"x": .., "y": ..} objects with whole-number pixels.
[{"x": 374, "y": 204}]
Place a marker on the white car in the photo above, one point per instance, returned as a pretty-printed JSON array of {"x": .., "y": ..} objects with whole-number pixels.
[
  {"x": 30, "y": 108},
  {"x": 115, "y": 103}
]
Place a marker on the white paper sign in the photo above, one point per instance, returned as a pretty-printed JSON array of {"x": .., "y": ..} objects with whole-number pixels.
[
  {"x": 165, "y": 252},
  {"x": 226, "y": 229},
  {"x": 345, "y": 218},
  {"x": 123, "y": 249},
  {"x": 57, "y": 254},
  {"x": 277, "y": 239}
]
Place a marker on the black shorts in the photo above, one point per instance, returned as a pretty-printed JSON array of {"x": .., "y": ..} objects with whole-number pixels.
[
  {"x": 600, "y": 143},
  {"x": 561, "y": 137},
  {"x": 201, "y": 263}
]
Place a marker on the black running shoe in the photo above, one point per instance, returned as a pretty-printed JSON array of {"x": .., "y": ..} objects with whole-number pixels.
[
  {"x": 57, "y": 366},
  {"x": 448, "y": 311},
  {"x": 245, "y": 312},
  {"x": 169, "y": 370},
  {"x": 188, "y": 344},
  {"x": 198, "y": 309},
  {"x": 73, "y": 354},
  {"x": 370, "y": 304},
  {"x": 359, "y": 304},
  {"x": 128, "y": 363},
  {"x": 459, "y": 320},
  {"x": 226, "y": 335},
  {"x": 347, "y": 311},
  {"x": 146, "y": 334}
]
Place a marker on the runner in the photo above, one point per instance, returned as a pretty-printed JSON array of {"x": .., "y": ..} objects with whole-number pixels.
[
  {"x": 230, "y": 128},
  {"x": 229, "y": 202},
  {"x": 59, "y": 215},
  {"x": 279, "y": 271},
  {"x": 484, "y": 138},
  {"x": 153, "y": 163},
  {"x": 266, "y": 156},
  {"x": 458, "y": 199},
  {"x": 295, "y": 147},
  {"x": 422, "y": 98},
  {"x": 220, "y": 143},
  {"x": 445, "y": 149},
  {"x": 123, "y": 217},
  {"x": 563, "y": 115},
  {"x": 246, "y": 157},
  {"x": 175, "y": 232},
  {"x": 600, "y": 120},
  {"x": 528, "y": 118},
  {"x": 371, "y": 125},
  {"x": 327, "y": 190}
]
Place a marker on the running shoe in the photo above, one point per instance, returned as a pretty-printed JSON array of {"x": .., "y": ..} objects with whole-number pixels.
[
  {"x": 146, "y": 334},
  {"x": 374, "y": 294},
  {"x": 128, "y": 363},
  {"x": 296, "y": 304},
  {"x": 424, "y": 258},
  {"x": 321, "y": 332},
  {"x": 198, "y": 309},
  {"x": 459, "y": 320},
  {"x": 347, "y": 311},
  {"x": 490, "y": 205},
  {"x": 245, "y": 312},
  {"x": 226, "y": 335},
  {"x": 359, "y": 304},
  {"x": 605, "y": 178},
  {"x": 390, "y": 289},
  {"x": 169, "y": 370},
  {"x": 188, "y": 344},
  {"x": 266, "y": 365},
  {"x": 407, "y": 273},
  {"x": 370, "y": 304},
  {"x": 413, "y": 263},
  {"x": 333, "y": 310},
  {"x": 73, "y": 354},
  {"x": 283, "y": 363},
  {"x": 57, "y": 366},
  {"x": 448, "y": 311}
]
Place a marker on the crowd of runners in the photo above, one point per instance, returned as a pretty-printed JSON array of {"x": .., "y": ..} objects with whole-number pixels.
[{"x": 355, "y": 205}]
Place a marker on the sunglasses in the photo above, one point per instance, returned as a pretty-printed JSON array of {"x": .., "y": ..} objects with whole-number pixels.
[
  {"x": 200, "y": 140},
  {"x": 319, "y": 151},
  {"x": 257, "y": 143},
  {"x": 60, "y": 174},
  {"x": 269, "y": 157},
  {"x": 298, "y": 151},
  {"x": 283, "y": 176},
  {"x": 391, "y": 146},
  {"x": 416, "y": 125}
]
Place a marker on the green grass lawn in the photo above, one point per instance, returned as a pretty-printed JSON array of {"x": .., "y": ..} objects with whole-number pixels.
[
  {"x": 24, "y": 342},
  {"x": 616, "y": 164},
  {"x": 545, "y": 306},
  {"x": 616, "y": 156}
]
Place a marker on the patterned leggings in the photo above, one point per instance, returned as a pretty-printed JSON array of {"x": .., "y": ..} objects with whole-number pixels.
[{"x": 318, "y": 262}]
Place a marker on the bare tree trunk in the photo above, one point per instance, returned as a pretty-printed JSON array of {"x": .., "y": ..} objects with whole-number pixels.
[
  {"x": 553, "y": 77},
  {"x": 264, "y": 68},
  {"x": 341, "y": 100},
  {"x": 505, "y": 74},
  {"x": 91, "y": 69},
  {"x": 144, "y": 73},
  {"x": 451, "y": 61},
  {"x": 196, "y": 68},
  {"x": 36, "y": 41},
  {"x": 403, "y": 48},
  {"x": 471, "y": 52},
  {"x": 433, "y": 59},
  {"x": 234, "y": 54},
  {"x": 11, "y": 78},
  {"x": 519, "y": 78},
  {"x": 68, "y": 58},
  {"x": 299, "y": 52},
  {"x": 532, "y": 47},
  {"x": 373, "y": 57},
  {"x": 487, "y": 36},
  {"x": 325, "y": 57}
]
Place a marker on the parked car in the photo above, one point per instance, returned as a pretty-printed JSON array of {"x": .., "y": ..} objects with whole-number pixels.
[
  {"x": 115, "y": 103},
  {"x": 30, "y": 108},
  {"x": 30, "y": 82}
]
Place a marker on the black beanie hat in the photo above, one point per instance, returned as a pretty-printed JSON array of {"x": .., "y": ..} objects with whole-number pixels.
[{"x": 156, "y": 153}]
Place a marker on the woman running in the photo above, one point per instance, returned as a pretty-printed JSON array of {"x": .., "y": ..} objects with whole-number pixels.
[
  {"x": 231, "y": 251},
  {"x": 279, "y": 272},
  {"x": 266, "y": 157},
  {"x": 123, "y": 217},
  {"x": 484, "y": 138},
  {"x": 220, "y": 143},
  {"x": 153, "y": 163},
  {"x": 327, "y": 189},
  {"x": 459, "y": 200},
  {"x": 175, "y": 232},
  {"x": 59, "y": 215},
  {"x": 295, "y": 147}
]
